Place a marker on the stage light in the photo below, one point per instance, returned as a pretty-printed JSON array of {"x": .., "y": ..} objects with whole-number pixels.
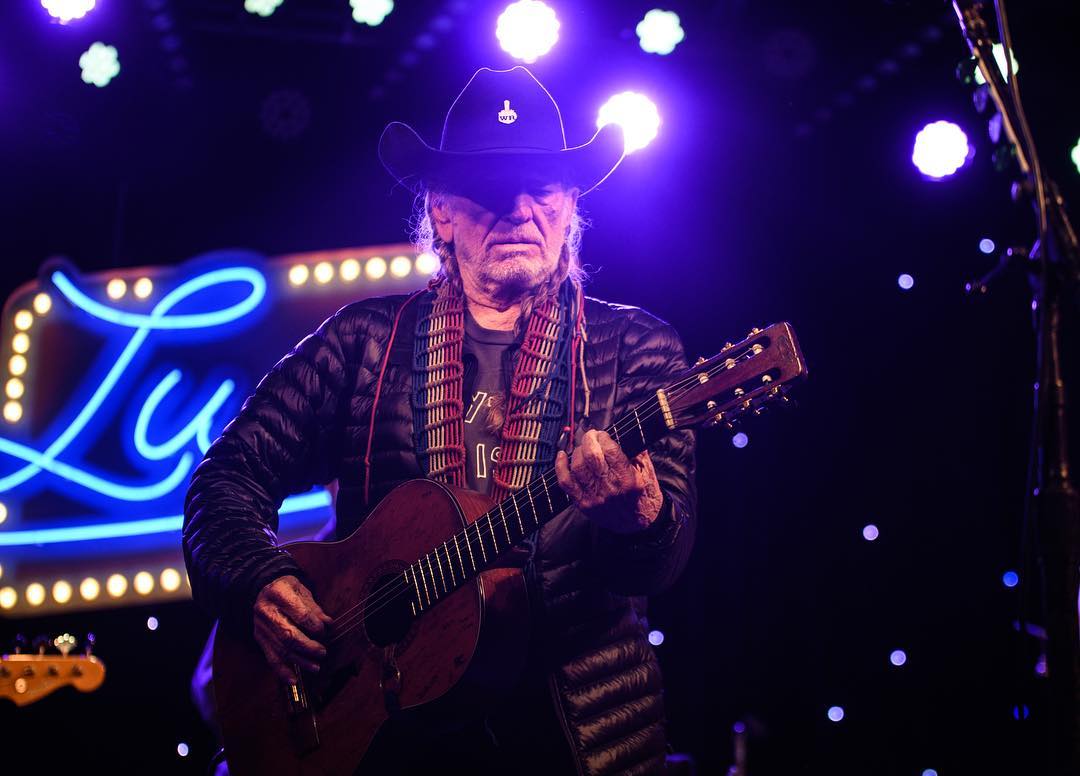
[
  {"x": 17, "y": 365},
  {"x": 116, "y": 585},
  {"x": 400, "y": 266},
  {"x": 66, "y": 10},
  {"x": 61, "y": 591},
  {"x": 298, "y": 274},
  {"x": 836, "y": 713},
  {"x": 870, "y": 532},
  {"x": 152, "y": 623},
  {"x": 42, "y": 303},
  {"x": 986, "y": 245},
  {"x": 740, "y": 440},
  {"x": 1076, "y": 155},
  {"x": 427, "y": 263},
  {"x": 143, "y": 583},
  {"x": 24, "y": 319},
  {"x": 906, "y": 282},
  {"x": 898, "y": 657},
  {"x": 1021, "y": 712},
  {"x": 143, "y": 288},
  {"x": 656, "y": 638},
  {"x": 371, "y": 12},
  {"x": 116, "y": 288},
  {"x": 8, "y": 597},
  {"x": 1010, "y": 579},
  {"x": 262, "y": 8},
  {"x": 636, "y": 114},
  {"x": 12, "y": 412},
  {"x": 99, "y": 64},
  {"x": 929, "y": 772},
  {"x": 182, "y": 749},
  {"x": 20, "y": 343},
  {"x": 324, "y": 272},
  {"x": 35, "y": 594},
  {"x": 375, "y": 268},
  {"x": 350, "y": 270},
  {"x": 1003, "y": 66},
  {"x": 941, "y": 148},
  {"x": 170, "y": 580},
  {"x": 3, "y": 512},
  {"x": 659, "y": 32},
  {"x": 89, "y": 589},
  {"x": 527, "y": 30}
]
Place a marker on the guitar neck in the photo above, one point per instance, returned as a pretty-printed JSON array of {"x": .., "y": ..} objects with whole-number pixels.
[{"x": 479, "y": 546}]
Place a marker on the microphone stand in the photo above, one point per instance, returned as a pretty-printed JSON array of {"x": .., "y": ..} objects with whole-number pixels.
[{"x": 1052, "y": 502}]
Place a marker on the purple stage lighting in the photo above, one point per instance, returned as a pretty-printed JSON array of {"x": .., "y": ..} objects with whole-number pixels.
[
  {"x": 1010, "y": 579},
  {"x": 898, "y": 657},
  {"x": 870, "y": 532},
  {"x": 659, "y": 32},
  {"x": 527, "y": 30},
  {"x": 656, "y": 638},
  {"x": 66, "y": 10},
  {"x": 836, "y": 713},
  {"x": 941, "y": 148},
  {"x": 740, "y": 440},
  {"x": 906, "y": 282},
  {"x": 986, "y": 245},
  {"x": 636, "y": 114}
]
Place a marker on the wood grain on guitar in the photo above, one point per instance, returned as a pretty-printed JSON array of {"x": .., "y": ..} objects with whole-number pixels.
[{"x": 430, "y": 609}]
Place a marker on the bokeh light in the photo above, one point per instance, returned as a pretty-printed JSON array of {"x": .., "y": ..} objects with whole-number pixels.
[
  {"x": 324, "y": 272},
  {"x": 13, "y": 412},
  {"x": 14, "y": 388},
  {"x": 99, "y": 64},
  {"x": 350, "y": 270},
  {"x": 941, "y": 148},
  {"x": 298, "y": 274},
  {"x": 427, "y": 263},
  {"x": 89, "y": 589},
  {"x": 24, "y": 319},
  {"x": 656, "y": 638},
  {"x": 143, "y": 288},
  {"x": 898, "y": 657},
  {"x": 61, "y": 591},
  {"x": 740, "y": 440},
  {"x": 182, "y": 749},
  {"x": 143, "y": 583},
  {"x": 1075, "y": 154},
  {"x": 375, "y": 268},
  {"x": 262, "y": 7},
  {"x": 906, "y": 282},
  {"x": 116, "y": 288},
  {"x": 42, "y": 303},
  {"x": 116, "y": 585},
  {"x": 17, "y": 365},
  {"x": 986, "y": 245},
  {"x": 35, "y": 594},
  {"x": 67, "y": 10},
  {"x": 527, "y": 30},
  {"x": 20, "y": 343},
  {"x": 636, "y": 114},
  {"x": 170, "y": 580},
  {"x": 152, "y": 623},
  {"x": 400, "y": 266},
  {"x": 371, "y": 12},
  {"x": 870, "y": 532},
  {"x": 836, "y": 713},
  {"x": 8, "y": 597},
  {"x": 1010, "y": 579},
  {"x": 660, "y": 32}
]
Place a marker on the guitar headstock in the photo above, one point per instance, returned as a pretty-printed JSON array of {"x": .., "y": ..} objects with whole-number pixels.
[
  {"x": 26, "y": 677},
  {"x": 742, "y": 378}
]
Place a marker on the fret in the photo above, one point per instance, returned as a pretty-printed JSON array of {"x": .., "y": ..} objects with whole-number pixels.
[
  {"x": 480, "y": 539},
  {"x": 461, "y": 561},
  {"x": 431, "y": 570},
  {"x": 615, "y": 433},
  {"x": 468, "y": 546},
  {"x": 551, "y": 507},
  {"x": 517, "y": 509},
  {"x": 536, "y": 515},
  {"x": 442, "y": 576},
  {"x": 639, "y": 428},
  {"x": 427, "y": 595},
  {"x": 491, "y": 527},
  {"x": 449, "y": 564},
  {"x": 506, "y": 525},
  {"x": 416, "y": 587}
]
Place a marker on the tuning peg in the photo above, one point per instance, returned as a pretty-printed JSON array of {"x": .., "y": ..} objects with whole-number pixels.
[
  {"x": 754, "y": 332},
  {"x": 65, "y": 642},
  {"x": 41, "y": 643},
  {"x": 21, "y": 644},
  {"x": 91, "y": 640},
  {"x": 700, "y": 361}
]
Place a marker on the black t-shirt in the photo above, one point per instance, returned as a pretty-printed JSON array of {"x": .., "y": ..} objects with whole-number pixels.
[{"x": 484, "y": 408}]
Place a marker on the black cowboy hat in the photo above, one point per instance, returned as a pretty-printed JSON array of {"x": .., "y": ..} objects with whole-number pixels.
[{"x": 503, "y": 121}]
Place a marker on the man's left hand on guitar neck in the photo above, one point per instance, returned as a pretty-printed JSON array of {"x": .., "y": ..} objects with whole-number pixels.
[{"x": 620, "y": 494}]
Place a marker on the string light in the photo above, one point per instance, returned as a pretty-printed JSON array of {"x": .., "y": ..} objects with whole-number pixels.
[
  {"x": 143, "y": 583},
  {"x": 116, "y": 585},
  {"x": 42, "y": 303},
  {"x": 400, "y": 266},
  {"x": 8, "y": 598},
  {"x": 14, "y": 388},
  {"x": 324, "y": 272},
  {"x": 143, "y": 288},
  {"x": 89, "y": 589},
  {"x": 375, "y": 268},
  {"x": 35, "y": 594},
  {"x": 20, "y": 343},
  {"x": 13, "y": 412},
  {"x": 298, "y": 274},
  {"x": 170, "y": 580},
  {"x": 350, "y": 270},
  {"x": 61, "y": 591},
  {"x": 116, "y": 288},
  {"x": 527, "y": 30},
  {"x": 24, "y": 319},
  {"x": 17, "y": 365}
]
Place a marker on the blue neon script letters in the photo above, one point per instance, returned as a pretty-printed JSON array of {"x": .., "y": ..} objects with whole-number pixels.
[{"x": 107, "y": 396}]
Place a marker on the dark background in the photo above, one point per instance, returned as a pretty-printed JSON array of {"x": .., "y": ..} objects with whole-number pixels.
[{"x": 780, "y": 188}]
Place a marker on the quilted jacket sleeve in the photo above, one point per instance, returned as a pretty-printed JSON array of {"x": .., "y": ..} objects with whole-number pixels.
[
  {"x": 284, "y": 441},
  {"x": 645, "y": 563}
]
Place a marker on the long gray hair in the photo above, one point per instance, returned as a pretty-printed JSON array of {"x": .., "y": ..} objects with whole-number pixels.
[{"x": 426, "y": 240}]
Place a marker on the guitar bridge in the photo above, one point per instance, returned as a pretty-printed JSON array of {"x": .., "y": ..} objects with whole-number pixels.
[{"x": 303, "y": 730}]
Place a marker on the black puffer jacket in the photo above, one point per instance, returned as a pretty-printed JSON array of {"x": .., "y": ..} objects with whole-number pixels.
[{"x": 307, "y": 423}]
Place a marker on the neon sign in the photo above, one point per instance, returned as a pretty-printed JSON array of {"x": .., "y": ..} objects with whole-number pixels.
[{"x": 117, "y": 384}]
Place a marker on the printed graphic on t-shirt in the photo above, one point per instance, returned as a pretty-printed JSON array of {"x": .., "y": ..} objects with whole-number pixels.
[{"x": 486, "y": 450}]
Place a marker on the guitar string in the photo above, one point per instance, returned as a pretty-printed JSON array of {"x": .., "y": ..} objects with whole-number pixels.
[
  {"x": 346, "y": 622},
  {"x": 379, "y": 599}
]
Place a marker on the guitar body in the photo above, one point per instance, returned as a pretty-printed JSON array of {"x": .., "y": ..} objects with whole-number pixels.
[{"x": 461, "y": 651}]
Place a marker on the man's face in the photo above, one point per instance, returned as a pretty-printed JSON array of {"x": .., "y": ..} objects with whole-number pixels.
[{"x": 507, "y": 234}]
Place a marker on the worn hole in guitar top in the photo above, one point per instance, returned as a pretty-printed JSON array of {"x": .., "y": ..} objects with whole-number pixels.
[{"x": 389, "y": 621}]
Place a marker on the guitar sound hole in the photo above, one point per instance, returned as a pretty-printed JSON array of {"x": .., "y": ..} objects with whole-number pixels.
[{"x": 388, "y": 616}]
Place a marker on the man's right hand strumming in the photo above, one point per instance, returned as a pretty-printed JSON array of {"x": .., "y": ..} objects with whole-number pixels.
[{"x": 289, "y": 627}]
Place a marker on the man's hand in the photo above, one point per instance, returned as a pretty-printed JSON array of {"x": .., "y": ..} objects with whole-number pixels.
[
  {"x": 620, "y": 494},
  {"x": 289, "y": 626}
]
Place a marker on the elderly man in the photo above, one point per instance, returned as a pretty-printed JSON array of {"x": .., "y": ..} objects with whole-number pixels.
[{"x": 484, "y": 380}]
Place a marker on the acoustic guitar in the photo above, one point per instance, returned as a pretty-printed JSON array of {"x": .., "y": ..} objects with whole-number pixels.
[
  {"x": 428, "y": 613},
  {"x": 28, "y": 677}
]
